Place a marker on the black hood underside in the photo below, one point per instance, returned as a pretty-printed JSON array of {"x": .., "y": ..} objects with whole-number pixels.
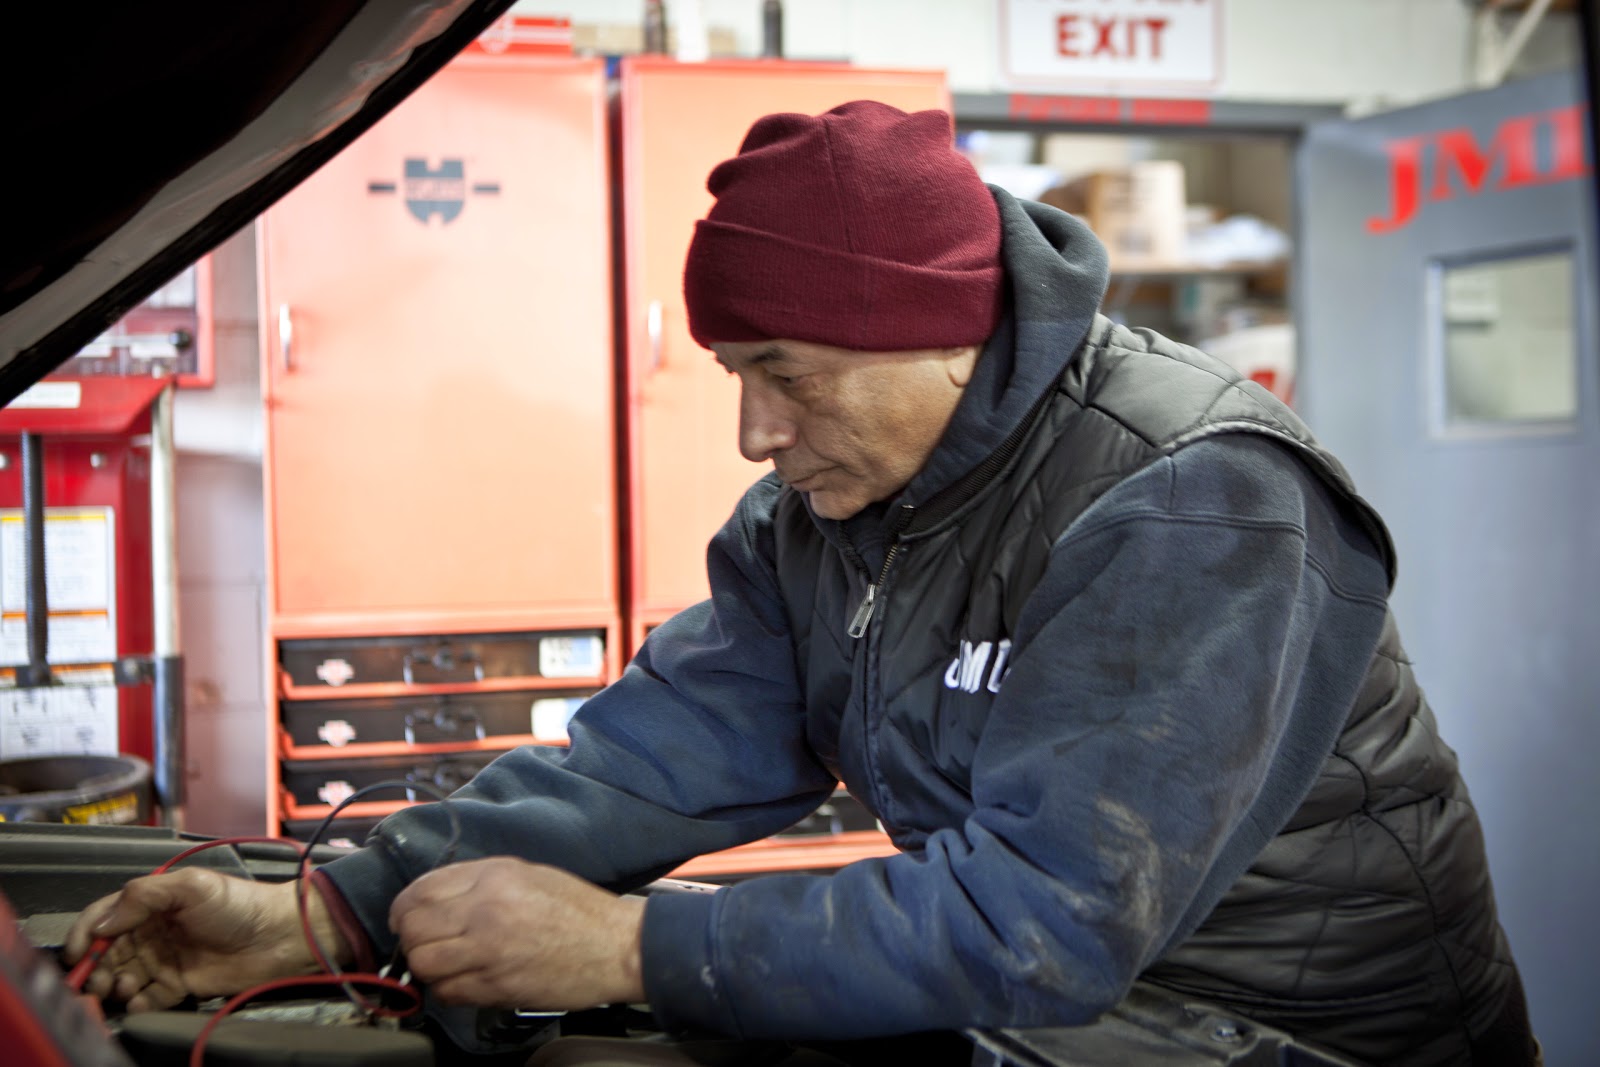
[{"x": 142, "y": 135}]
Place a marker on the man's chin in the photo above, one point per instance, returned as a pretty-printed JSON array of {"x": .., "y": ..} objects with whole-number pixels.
[{"x": 827, "y": 504}]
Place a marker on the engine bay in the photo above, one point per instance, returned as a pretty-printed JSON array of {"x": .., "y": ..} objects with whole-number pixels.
[{"x": 49, "y": 873}]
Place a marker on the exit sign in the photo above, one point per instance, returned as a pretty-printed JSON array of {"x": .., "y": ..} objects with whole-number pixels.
[{"x": 1112, "y": 46}]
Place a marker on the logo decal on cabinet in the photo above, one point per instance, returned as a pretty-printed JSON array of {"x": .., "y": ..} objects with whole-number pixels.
[{"x": 430, "y": 191}]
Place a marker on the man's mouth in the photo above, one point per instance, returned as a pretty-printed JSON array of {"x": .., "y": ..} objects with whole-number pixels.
[{"x": 799, "y": 484}]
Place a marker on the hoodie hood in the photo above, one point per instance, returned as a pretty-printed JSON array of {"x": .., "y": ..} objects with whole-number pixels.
[{"x": 1056, "y": 274}]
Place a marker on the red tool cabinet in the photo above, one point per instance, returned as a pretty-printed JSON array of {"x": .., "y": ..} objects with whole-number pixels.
[
  {"x": 97, "y": 542},
  {"x": 92, "y": 417},
  {"x": 437, "y": 371},
  {"x": 683, "y": 472}
]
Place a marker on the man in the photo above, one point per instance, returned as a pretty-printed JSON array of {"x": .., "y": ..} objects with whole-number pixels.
[{"x": 1096, "y": 629}]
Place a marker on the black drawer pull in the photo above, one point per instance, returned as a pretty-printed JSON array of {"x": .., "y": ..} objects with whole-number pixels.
[
  {"x": 448, "y": 775},
  {"x": 445, "y": 661},
  {"x": 452, "y": 725}
]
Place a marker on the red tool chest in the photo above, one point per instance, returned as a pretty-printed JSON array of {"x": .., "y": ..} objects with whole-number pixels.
[
  {"x": 682, "y": 468},
  {"x": 437, "y": 370}
]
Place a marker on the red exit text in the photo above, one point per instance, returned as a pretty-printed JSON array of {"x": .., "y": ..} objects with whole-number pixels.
[{"x": 1113, "y": 36}]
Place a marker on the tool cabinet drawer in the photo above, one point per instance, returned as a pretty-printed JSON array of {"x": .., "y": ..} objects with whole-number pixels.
[
  {"x": 316, "y": 782},
  {"x": 317, "y": 728},
  {"x": 442, "y": 659}
]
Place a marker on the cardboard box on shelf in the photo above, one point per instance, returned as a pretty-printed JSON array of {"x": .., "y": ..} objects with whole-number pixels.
[{"x": 1138, "y": 211}]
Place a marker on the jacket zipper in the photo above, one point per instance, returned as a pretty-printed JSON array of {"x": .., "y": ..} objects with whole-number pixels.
[
  {"x": 869, "y": 603},
  {"x": 941, "y": 506}
]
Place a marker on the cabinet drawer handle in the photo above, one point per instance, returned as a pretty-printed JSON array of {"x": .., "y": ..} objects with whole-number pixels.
[
  {"x": 652, "y": 326},
  {"x": 446, "y": 776},
  {"x": 286, "y": 337},
  {"x": 445, "y": 660},
  {"x": 445, "y": 721}
]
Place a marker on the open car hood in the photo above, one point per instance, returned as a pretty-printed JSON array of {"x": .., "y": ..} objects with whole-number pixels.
[{"x": 140, "y": 136}]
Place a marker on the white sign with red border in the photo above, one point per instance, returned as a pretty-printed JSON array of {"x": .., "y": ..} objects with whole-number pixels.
[
  {"x": 1115, "y": 46},
  {"x": 81, "y": 582}
]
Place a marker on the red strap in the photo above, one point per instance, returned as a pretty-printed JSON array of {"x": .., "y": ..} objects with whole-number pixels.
[{"x": 339, "y": 911}]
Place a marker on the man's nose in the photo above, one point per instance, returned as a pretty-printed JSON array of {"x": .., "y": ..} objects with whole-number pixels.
[{"x": 765, "y": 427}]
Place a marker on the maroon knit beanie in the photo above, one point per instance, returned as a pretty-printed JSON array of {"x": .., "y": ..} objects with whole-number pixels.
[{"x": 861, "y": 228}]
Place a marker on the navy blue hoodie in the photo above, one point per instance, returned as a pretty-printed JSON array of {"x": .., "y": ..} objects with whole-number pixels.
[{"x": 701, "y": 745}]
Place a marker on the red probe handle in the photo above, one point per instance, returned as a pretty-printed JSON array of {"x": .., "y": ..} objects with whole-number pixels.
[{"x": 79, "y": 975}]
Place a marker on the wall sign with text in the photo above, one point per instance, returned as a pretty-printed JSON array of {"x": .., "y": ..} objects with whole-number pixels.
[{"x": 1112, "y": 45}]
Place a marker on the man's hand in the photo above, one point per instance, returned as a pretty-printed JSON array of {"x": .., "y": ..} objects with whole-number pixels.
[
  {"x": 198, "y": 932},
  {"x": 505, "y": 933}
]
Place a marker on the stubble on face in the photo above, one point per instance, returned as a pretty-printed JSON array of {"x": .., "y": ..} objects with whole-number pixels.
[{"x": 848, "y": 428}]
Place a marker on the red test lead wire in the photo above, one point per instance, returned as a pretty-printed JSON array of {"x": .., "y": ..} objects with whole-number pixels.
[
  {"x": 78, "y": 977},
  {"x": 347, "y": 980}
]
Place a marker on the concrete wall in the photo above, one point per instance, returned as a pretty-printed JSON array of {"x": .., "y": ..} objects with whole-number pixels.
[{"x": 222, "y": 563}]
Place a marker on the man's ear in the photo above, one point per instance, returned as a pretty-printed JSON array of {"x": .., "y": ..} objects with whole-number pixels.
[{"x": 958, "y": 364}]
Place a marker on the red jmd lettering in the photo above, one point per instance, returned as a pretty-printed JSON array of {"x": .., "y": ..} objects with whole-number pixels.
[
  {"x": 1513, "y": 144},
  {"x": 1405, "y": 183},
  {"x": 1513, "y": 152},
  {"x": 1566, "y": 134}
]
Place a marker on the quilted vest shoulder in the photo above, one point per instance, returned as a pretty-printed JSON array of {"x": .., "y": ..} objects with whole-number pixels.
[{"x": 1171, "y": 395}]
